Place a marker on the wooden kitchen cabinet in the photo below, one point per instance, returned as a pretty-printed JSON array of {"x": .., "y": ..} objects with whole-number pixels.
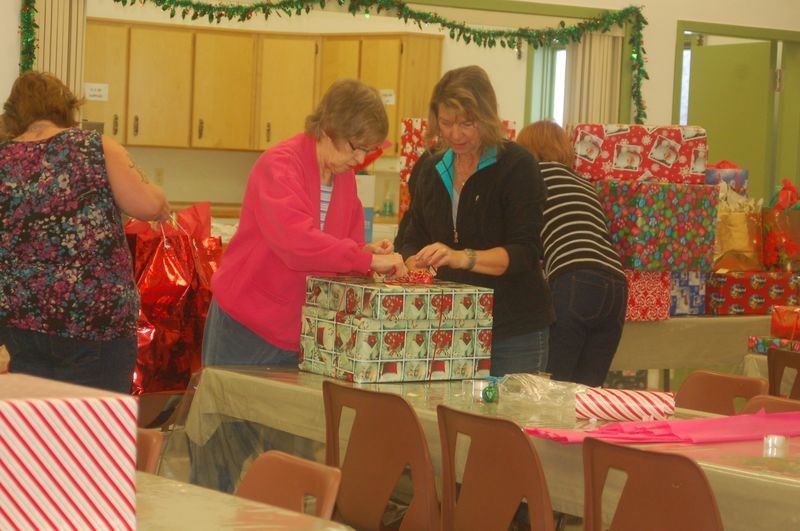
[
  {"x": 160, "y": 87},
  {"x": 106, "y": 65},
  {"x": 403, "y": 67},
  {"x": 223, "y": 90},
  {"x": 286, "y": 86}
]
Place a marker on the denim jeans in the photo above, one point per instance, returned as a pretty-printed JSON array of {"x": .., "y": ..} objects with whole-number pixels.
[
  {"x": 228, "y": 342},
  {"x": 590, "y": 309},
  {"x": 102, "y": 364},
  {"x": 525, "y": 353}
]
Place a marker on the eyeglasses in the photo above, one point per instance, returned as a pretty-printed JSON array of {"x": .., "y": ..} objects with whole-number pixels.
[{"x": 364, "y": 150}]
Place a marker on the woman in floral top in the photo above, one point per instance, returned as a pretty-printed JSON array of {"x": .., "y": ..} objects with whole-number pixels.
[{"x": 68, "y": 302}]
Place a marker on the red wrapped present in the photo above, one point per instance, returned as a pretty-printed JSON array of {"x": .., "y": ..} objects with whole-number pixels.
[
  {"x": 669, "y": 153},
  {"x": 750, "y": 292},
  {"x": 648, "y": 295},
  {"x": 785, "y": 320},
  {"x": 660, "y": 226}
]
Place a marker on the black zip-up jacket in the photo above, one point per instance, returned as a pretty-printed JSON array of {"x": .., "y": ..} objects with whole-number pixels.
[{"x": 500, "y": 206}]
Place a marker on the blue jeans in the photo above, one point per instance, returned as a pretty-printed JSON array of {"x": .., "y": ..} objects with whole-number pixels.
[
  {"x": 525, "y": 353},
  {"x": 590, "y": 309},
  {"x": 102, "y": 364},
  {"x": 228, "y": 342}
]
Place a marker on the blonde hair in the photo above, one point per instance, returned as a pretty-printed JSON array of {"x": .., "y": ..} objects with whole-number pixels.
[
  {"x": 548, "y": 142},
  {"x": 468, "y": 91},
  {"x": 38, "y": 96},
  {"x": 350, "y": 110}
]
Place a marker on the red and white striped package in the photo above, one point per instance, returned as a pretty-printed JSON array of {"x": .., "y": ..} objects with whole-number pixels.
[
  {"x": 623, "y": 404},
  {"x": 67, "y": 456}
]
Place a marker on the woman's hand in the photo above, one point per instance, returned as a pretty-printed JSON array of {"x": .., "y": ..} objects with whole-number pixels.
[
  {"x": 390, "y": 265},
  {"x": 381, "y": 247},
  {"x": 437, "y": 255}
]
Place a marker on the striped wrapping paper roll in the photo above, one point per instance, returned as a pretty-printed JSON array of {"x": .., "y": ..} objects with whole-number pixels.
[{"x": 623, "y": 404}]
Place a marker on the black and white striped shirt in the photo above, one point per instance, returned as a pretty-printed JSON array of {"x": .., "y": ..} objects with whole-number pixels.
[{"x": 575, "y": 234}]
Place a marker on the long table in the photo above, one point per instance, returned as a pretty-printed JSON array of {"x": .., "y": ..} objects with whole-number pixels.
[
  {"x": 752, "y": 492},
  {"x": 687, "y": 342},
  {"x": 163, "y": 503}
]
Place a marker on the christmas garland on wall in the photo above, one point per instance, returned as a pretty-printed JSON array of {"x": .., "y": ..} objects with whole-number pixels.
[{"x": 510, "y": 38}]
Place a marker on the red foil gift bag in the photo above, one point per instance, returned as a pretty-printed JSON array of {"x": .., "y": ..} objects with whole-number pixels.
[{"x": 785, "y": 322}]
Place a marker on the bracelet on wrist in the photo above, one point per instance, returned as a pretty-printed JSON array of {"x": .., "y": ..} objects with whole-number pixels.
[{"x": 472, "y": 257}]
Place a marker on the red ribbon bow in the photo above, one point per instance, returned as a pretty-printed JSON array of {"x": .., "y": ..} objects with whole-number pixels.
[{"x": 787, "y": 195}]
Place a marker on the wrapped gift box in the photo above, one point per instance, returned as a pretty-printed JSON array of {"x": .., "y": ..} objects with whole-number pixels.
[
  {"x": 648, "y": 295},
  {"x": 760, "y": 344},
  {"x": 355, "y": 348},
  {"x": 687, "y": 293},
  {"x": 67, "y": 456},
  {"x": 736, "y": 179},
  {"x": 412, "y": 145},
  {"x": 785, "y": 322},
  {"x": 363, "y": 297},
  {"x": 661, "y": 227},
  {"x": 669, "y": 153},
  {"x": 750, "y": 292}
]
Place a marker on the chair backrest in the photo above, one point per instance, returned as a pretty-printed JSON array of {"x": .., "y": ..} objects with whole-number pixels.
[
  {"x": 148, "y": 449},
  {"x": 284, "y": 480},
  {"x": 501, "y": 468},
  {"x": 770, "y": 404},
  {"x": 716, "y": 392},
  {"x": 158, "y": 408},
  {"x": 662, "y": 491},
  {"x": 386, "y": 438},
  {"x": 777, "y": 362}
]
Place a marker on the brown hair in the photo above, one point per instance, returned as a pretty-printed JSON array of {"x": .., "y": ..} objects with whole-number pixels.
[
  {"x": 350, "y": 110},
  {"x": 548, "y": 142},
  {"x": 38, "y": 96},
  {"x": 469, "y": 92}
]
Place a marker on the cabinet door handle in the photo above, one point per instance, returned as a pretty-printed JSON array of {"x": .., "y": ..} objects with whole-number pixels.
[
  {"x": 269, "y": 131},
  {"x": 136, "y": 125},
  {"x": 115, "y": 124},
  {"x": 200, "y": 126}
]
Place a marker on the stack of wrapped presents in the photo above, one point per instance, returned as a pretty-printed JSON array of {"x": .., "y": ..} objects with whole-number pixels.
[
  {"x": 362, "y": 330},
  {"x": 783, "y": 332},
  {"x": 651, "y": 181}
]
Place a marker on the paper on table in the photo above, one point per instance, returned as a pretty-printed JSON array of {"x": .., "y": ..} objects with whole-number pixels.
[{"x": 720, "y": 429}]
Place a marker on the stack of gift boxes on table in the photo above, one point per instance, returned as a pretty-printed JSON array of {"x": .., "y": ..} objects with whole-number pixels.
[
  {"x": 362, "y": 330},
  {"x": 784, "y": 332}
]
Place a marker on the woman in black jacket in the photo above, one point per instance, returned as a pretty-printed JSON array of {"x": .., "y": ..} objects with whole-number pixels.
[{"x": 476, "y": 216}]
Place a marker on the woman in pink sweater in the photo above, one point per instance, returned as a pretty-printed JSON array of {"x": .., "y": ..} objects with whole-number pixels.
[{"x": 300, "y": 216}]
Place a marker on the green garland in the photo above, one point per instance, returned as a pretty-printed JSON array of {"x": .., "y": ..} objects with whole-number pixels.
[
  {"x": 27, "y": 35},
  {"x": 458, "y": 31}
]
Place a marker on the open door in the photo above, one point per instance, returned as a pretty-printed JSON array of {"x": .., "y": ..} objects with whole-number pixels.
[{"x": 731, "y": 96}]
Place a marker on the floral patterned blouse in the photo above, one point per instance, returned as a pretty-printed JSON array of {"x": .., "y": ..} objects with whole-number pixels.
[{"x": 65, "y": 267}]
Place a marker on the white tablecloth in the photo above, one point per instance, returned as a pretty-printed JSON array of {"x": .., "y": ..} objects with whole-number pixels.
[{"x": 752, "y": 492}]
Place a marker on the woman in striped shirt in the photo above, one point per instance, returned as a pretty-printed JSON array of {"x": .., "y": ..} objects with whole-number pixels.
[{"x": 588, "y": 286}]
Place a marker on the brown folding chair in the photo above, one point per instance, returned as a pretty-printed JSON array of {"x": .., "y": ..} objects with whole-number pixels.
[
  {"x": 148, "y": 449},
  {"x": 777, "y": 362},
  {"x": 716, "y": 392},
  {"x": 157, "y": 409},
  {"x": 501, "y": 470},
  {"x": 770, "y": 404},
  {"x": 284, "y": 480},
  {"x": 386, "y": 439},
  {"x": 662, "y": 491}
]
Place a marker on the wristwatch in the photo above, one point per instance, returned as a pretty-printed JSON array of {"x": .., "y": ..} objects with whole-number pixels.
[{"x": 472, "y": 257}]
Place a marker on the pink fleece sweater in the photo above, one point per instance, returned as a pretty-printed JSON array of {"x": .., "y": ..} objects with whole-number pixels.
[{"x": 262, "y": 276}]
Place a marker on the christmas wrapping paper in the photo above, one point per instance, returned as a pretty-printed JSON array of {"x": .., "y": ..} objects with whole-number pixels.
[
  {"x": 761, "y": 344},
  {"x": 412, "y": 145},
  {"x": 359, "y": 349},
  {"x": 671, "y": 153},
  {"x": 785, "y": 321},
  {"x": 648, "y": 295},
  {"x": 67, "y": 456},
  {"x": 660, "y": 227},
  {"x": 736, "y": 179},
  {"x": 750, "y": 292},
  {"x": 687, "y": 293},
  {"x": 364, "y": 297},
  {"x": 623, "y": 404}
]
